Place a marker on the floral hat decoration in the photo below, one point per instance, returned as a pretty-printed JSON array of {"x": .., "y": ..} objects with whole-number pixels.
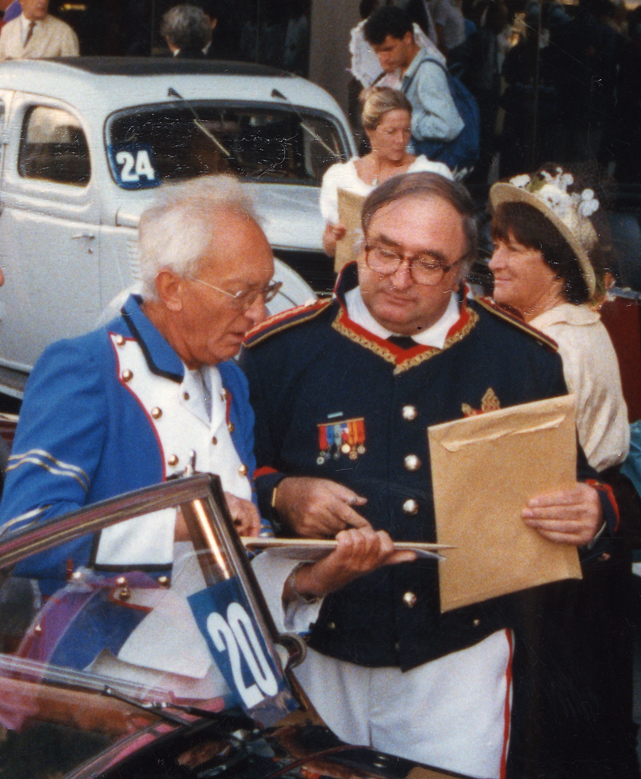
[{"x": 569, "y": 212}]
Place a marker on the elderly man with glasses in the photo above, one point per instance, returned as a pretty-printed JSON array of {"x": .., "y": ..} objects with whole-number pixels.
[
  {"x": 152, "y": 392},
  {"x": 343, "y": 392}
]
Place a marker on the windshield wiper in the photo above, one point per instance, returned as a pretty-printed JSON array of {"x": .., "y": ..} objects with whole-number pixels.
[
  {"x": 171, "y": 92},
  {"x": 156, "y": 707},
  {"x": 235, "y": 721},
  {"x": 276, "y": 93}
]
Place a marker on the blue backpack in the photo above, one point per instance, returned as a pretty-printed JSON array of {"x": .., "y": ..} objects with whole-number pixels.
[{"x": 462, "y": 151}]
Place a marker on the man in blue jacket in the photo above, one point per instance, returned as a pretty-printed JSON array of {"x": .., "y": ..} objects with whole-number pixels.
[{"x": 134, "y": 402}]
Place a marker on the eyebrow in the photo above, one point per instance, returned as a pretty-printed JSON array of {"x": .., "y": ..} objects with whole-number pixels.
[{"x": 438, "y": 256}]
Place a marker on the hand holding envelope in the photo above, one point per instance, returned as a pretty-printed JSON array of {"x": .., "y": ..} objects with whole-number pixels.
[{"x": 485, "y": 470}]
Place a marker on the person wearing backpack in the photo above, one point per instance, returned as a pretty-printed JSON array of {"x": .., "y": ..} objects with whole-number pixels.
[{"x": 445, "y": 118}]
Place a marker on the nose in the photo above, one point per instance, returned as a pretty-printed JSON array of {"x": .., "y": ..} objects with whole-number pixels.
[
  {"x": 257, "y": 312},
  {"x": 402, "y": 276},
  {"x": 497, "y": 260}
]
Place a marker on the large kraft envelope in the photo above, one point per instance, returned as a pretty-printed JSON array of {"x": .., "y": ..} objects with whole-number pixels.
[
  {"x": 484, "y": 470},
  {"x": 350, "y": 206}
]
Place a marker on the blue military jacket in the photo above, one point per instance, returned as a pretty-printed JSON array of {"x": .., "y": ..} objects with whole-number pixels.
[
  {"x": 83, "y": 436},
  {"x": 334, "y": 401}
]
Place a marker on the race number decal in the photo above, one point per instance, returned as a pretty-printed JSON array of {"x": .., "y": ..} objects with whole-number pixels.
[
  {"x": 240, "y": 652},
  {"x": 133, "y": 165}
]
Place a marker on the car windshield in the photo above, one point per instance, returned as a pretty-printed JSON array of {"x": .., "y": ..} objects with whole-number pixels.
[
  {"x": 111, "y": 654},
  {"x": 256, "y": 142}
]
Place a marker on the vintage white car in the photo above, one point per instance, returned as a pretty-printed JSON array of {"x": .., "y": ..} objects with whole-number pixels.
[{"x": 85, "y": 142}]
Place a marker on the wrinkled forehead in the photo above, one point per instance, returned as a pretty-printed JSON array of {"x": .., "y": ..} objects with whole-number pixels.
[
  {"x": 236, "y": 246},
  {"x": 398, "y": 209}
]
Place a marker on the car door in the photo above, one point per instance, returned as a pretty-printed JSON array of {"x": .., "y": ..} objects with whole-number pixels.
[{"x": 49, "y": 226}]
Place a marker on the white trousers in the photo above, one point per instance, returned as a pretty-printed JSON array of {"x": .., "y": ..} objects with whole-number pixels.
[{"x": 451, "y": 713}]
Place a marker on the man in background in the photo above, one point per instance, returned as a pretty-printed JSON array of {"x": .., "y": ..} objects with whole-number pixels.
[{"x": 35, "y": 34}]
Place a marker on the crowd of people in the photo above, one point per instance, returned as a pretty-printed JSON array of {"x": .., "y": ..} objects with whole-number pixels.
[{"x": 321, "y": 432}]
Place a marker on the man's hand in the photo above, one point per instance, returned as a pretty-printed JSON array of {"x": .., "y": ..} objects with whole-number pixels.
[
  {"x": 567, "y": 516},
  {"x": 317, "y": 508},
  {"x": 359, "y": 551},
  {"x": 244, "y": 514}
]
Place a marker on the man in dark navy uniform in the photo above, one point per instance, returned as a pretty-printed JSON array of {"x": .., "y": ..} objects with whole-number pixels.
[{"x": 343, "y": 392}]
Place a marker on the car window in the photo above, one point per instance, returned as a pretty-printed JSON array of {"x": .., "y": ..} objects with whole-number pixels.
[
  {"x": 192, "y": 636},
  {"x": 257, "y": 143},
  {"x": 53, "y": 147}
]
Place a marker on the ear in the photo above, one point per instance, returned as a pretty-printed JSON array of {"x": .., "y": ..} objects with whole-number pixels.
[
  {"x": 408, "y": 38},
  {"x": 171, "y": 290}
]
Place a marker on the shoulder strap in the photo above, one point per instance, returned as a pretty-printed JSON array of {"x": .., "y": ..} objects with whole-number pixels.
[
  {"x": 489, "y": 305},
  {"x": 285, "y": 320}
]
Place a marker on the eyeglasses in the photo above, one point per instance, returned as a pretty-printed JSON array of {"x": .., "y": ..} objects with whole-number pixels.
[
  {"x": 244, "y": 299},
  {"x": 422, "y": 267}
]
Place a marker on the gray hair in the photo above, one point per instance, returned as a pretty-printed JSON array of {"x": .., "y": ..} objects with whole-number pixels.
[
  {"x": 177, "y": 229},
  {"x": 187, "y": 26},
  {"x": 427, "y": 185}
]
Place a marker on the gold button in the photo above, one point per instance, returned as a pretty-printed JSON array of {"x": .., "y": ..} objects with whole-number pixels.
[
  {"x": 173, "y": 460},
  {"x": 120, "y": 340},
  {"x": 214, "y": 440},
  {"x": 412, "y": 462},
  {"x": 410, "y": 506},
  {"x": 164, "y": 581},
  {"x": 243, "y": 470},
  {"x": 127, "y": 375},
  {"x": 186, "y": 395},
  {"x": 231, "y": 427},
  {"x": 121, "y": 581},
  {"x": 124, "y": 593},
  {"x": 156, "y": 412},
  {"x": 409, "y": 413},
  {"x": 409, "y": 599},
  {"x": 605, "y": 557},
  {"x": 476, "y": 622},
  {"x": 37, "y": 629},
  {"x": 331, "y": 626}
]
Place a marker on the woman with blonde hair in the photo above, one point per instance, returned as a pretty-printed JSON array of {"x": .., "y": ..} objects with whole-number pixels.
[{"x": 387, "y": 121}]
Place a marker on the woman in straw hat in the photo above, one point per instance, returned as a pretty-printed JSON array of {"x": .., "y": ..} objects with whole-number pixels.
[
  {"x": 573, "y": 666},
  {"x": 546, "y": 266}
]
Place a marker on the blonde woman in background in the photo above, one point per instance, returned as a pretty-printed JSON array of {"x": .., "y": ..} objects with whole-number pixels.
[{"x": 387, "y": 121}]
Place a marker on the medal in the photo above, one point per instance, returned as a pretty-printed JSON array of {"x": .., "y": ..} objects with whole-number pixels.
[{"x": 341, "y": 438}]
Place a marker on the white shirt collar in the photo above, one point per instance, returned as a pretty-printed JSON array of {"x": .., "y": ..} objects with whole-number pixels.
[{"x": 432, "y": 336}]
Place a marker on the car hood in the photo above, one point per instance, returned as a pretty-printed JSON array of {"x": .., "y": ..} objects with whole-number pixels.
[{"x": 289, "y": 214}]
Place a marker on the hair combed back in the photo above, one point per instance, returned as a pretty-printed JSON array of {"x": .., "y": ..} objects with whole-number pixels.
[
  {"x": 387, "y": 21},
  {"x": 528, "y": 226},
  {"x": 177, "y": 229},
  {"x": 377, "y": 101},
  {"x": 427, "y": 185}
]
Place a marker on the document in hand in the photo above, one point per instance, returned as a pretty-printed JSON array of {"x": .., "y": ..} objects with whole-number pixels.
[
  {"x": 484, "y": 470},
  {"x": 350, "y": 206}
]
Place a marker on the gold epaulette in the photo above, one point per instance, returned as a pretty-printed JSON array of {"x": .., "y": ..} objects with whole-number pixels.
[
  {"x": 489, "y": 305},
  {"x": 285, "y": 320}
]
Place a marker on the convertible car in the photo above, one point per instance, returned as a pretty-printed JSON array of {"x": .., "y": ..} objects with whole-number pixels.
[{"x": 132, "y": 676}]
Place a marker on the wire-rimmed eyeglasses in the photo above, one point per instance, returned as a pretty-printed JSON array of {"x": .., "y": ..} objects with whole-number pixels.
[
  {"x": 424, "y": 269},
  {"x": 244, "y": 299}
]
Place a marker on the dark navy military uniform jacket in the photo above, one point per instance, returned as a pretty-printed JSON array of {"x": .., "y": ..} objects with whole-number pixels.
[{"x": 334, "y": 401}]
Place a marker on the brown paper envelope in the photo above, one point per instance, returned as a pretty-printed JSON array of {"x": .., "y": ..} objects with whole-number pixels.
[
  {"x": 484, "y": 470},
  {"x": 350, "y": 206}
]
